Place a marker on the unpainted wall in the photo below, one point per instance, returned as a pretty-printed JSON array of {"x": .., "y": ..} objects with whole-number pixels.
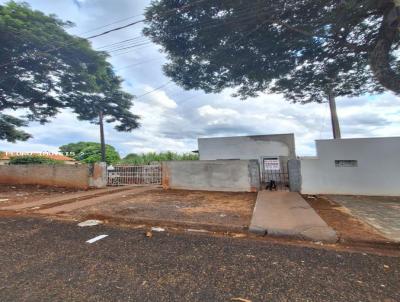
[
  {"x": 377, "y": 171},
  {"x": 72, "y": 176},
  {"x": 247, "y": 147},
  {"x": 224, "y": 175}
]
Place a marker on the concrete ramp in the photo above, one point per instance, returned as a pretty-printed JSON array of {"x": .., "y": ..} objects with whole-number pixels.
[{"x": 281, "y": 213}]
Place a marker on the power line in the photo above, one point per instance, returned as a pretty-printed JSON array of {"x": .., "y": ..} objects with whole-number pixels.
[
  {"x": 120, "y": 46},
  {"x": 115, "y": 22},
  {"x": 125, "y": 52},
  {"x": 130, "y": 47},
  {"x": 155, "y": 89},
  {"x": 139, "y": 63},
  {"x": 115, "y": 29},
  {"x": 120, "y": 42}
]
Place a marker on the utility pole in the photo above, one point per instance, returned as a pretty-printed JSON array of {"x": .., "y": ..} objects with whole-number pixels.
[
  {"x": 102, "y": 142},
  {"x": 334, "y": 117}
]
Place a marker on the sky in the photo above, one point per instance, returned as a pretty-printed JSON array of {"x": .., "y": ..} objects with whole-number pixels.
[{"x": 171, "y": 118}]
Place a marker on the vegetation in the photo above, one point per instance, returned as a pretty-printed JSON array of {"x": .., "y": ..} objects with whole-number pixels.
[
  {"x": 44, "y": 69},
  {"x": 308, "y": 50},
  {"x": 152, "y": 157},
  {"x": 33, "y": 159},
  {"x": 89, "y": 152}
]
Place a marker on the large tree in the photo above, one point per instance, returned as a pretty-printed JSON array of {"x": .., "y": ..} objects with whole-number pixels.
[
  {"x": 43, "y": 69},
  {"x": 90, "y": 152},
  {"x": 308, "y": 50}
]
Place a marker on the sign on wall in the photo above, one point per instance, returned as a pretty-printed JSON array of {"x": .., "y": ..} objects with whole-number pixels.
[{"x": 271, "y": 164}]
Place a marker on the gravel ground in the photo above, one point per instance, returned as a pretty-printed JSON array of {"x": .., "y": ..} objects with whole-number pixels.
[{"x": 42, "y": 260}]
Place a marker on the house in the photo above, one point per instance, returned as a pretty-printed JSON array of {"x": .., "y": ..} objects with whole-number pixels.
[
  {"x": 271, "y": 151},
  {"x": 6, "y": 156}
]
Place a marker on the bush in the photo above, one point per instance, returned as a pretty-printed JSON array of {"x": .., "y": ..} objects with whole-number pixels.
[
  {"x": 148, "y": 158},
  {"x": 33, "y": 160}
]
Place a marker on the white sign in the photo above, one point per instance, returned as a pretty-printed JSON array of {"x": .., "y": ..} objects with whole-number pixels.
[{"x": 271, "y": 164}]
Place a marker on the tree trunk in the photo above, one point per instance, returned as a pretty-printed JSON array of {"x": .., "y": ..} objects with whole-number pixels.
[
  {"x": 334, "y": 117},
  {"x": 102, "y": 141}
]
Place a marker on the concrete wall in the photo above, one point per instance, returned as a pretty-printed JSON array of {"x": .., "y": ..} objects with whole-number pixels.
[
  {"x": 72, "y": 176},
  {"x": 377, "y": 171},
  {"x": 247, "y": 147},
  {"x": 224, "y": 175}
]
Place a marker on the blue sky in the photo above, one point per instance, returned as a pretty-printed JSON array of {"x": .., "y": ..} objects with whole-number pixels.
[{"x": 172, "y": 118}]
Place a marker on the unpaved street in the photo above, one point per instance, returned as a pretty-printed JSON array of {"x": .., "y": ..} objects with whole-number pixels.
[{"x": 43, "y": 260}]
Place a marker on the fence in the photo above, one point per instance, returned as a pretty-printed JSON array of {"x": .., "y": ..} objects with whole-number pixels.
[
  {"x": 122, "y": 175},
  {"x": 276, "y": 179}
]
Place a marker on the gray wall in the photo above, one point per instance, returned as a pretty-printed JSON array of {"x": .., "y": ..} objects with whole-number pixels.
[
  {"x": 247, "y": 147},
  {"x": 377, "y": 171},
  {"x": 224, "y": 175}
]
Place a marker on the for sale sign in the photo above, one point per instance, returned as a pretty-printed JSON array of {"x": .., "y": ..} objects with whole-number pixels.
[{"x": 271, "y": 164}]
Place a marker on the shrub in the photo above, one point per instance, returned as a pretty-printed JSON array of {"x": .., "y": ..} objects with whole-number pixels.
[
  {"x": 33, "y": 159},
  {"x": 148, "y": 158}
]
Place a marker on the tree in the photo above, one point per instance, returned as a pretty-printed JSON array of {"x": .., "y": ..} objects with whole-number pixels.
[
  {"x": 308, "y": 50},
  {"x": 43, "y": 69},
  {"x": 89, "y": 152},
  {"x": 8, "y": 128}
]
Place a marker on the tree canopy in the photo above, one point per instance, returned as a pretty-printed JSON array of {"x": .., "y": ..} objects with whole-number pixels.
[
  {"x": 303, "y": 49},
  {"x": 43, "y": 69},
  {"x": 89, "y": 152}
]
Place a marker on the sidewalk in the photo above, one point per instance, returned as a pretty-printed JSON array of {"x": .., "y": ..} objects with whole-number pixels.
[{"x": 282, "y": 213}]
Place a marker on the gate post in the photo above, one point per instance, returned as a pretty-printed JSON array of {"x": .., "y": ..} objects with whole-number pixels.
[
  {"x": 98, "y": 175},
  {"x": 294, "y": 173}
]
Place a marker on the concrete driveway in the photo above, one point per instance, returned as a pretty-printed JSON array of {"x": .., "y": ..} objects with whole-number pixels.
[{"x": 282, "y": 213}]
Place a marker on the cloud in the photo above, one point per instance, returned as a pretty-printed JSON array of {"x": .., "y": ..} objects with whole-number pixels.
[{"x": 161, "y": 99}]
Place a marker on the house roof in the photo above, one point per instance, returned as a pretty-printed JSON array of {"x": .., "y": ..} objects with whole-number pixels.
[{"x": 55, "y": 156}]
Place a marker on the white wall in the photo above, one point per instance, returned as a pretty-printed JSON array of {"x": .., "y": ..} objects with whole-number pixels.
[
  {"x": 246, "y": 147},
  {"x": 377, "y": 173}
]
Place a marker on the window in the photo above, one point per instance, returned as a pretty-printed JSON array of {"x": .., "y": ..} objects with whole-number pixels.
[{"x": 346, "y": 163}]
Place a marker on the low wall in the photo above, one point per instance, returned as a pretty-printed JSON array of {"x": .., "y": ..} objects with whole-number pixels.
[
  {"x": 72, "y": 176},
  {"x": 212, "y": 175},
  {"x": 360, "y": 166}
]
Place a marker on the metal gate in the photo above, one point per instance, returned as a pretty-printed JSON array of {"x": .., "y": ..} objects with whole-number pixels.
[
  {"x": 122, "y": 175},
  {"x": 276, "y": 179}
]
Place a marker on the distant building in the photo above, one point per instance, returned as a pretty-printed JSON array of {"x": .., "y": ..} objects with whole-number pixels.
[{"x": 6, "y": 156}]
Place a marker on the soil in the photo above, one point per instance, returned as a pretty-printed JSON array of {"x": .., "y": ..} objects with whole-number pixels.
[
  {"x": 349, "y": 229},
  {"x": 13, "y": 194},
  {"x": 178, "y": 206}
]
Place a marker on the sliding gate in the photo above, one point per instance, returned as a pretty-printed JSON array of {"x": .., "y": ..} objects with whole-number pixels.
[{"x": 122, "y": 175}]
